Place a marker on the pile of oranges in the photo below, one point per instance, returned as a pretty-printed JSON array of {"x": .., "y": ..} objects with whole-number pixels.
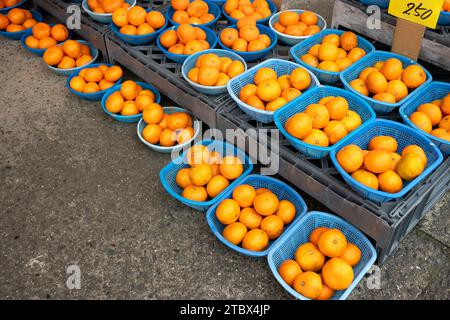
[
  {"x": 270, "y": 92},
  {"x": 297, "y": 24},
  {"x": 238, "y": 9},
  {"x": 107, "y": 6},
  {"x": 44, "y": 36},
  {"x": 166, "y": 129},
  {"x": 137, "y": 21},
  {"x": 381, "y": 167},
  {"x": 446, "y": 6},
  {"x": 8, "y": 3},
  {"x": 17, "y": 20},
  {"x": 246, "y": 38},
  {"x": 186, "y": 39},
  {"x": 212, "y": 70},
  {"x": 95, "y": 79},
  {"x": 434, "y": 118},
  {"x": 254, "y": 217},
  {"x": 322, "y": 265},
  {"x": 130, "y": 100},
  {"x": 69, "y": 54},
  {"x": 335, "y": 53},
  {"x": 209, "y": 173},
  {"x": 324, "y": 123},
  {"x": 387, "y": 81},
  {"x": 195, "y": 12}
]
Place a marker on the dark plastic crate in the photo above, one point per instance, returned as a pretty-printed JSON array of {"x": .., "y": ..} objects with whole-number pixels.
[{"x": 385, "y": 223}]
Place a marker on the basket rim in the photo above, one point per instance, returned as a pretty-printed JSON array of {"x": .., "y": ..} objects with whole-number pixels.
[
  {"x": 90, "y": 12},
  {"x": 339, "y": 220},
  {"x": 241, "y": 103},
  {"x": 340, "y": 142},
  {"x": 6, "y": 9},
  {"x": 282, "y": 35},
  {"x": 412, "y": 183},
  {"x": 362, "y": 62},
  {"x": 212, "y": 210},
  {"x": 35, "y": 14}
]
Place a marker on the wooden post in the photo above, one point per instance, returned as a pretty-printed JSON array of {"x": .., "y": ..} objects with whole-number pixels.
[{"x": 408, "y": 38}]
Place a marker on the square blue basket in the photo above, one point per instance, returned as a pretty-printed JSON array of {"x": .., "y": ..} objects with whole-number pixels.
[
  {"x": 432, "y": 91},
  {"x": 299, "y": 234},
  {"x": 279, "y": 188},
  {"x": 354, "y": 70},
  {"x": 168, "y": 173},
  {"x": 405, "y": 136},
  {"x": 281, "y": 67},
  {"x": 298, "y": 105},
  {"x": 303, "y": 47}
]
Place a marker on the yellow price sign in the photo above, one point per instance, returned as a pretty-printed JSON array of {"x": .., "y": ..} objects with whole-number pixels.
[{"x": 423, "y": 12}]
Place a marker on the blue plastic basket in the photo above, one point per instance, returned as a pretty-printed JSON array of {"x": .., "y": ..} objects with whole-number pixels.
[
  {"x": 303, "y": 47},
  {"x": 298, "y": 105},
  {"x": 432, "y": 91},
  {"x": 38, "y": 52},
  {"x": 168, "y": 173},
  {"x": 66, "y": 72},
  {"x": 169, "y": 110},
  {"x": 383, "y": 4},
  {"x": 95, "y": 96},
  {"x": 282, "y": 67},
  {"x": 279, "y": 188},
  {"x": 6, "y": 9},
  {"x": 299, "y": 234},
  {"x": 139, "y": 39},
  {"x": 444, "y": 19},
  {"x": 220, "y": 3},
  {"x": 17, "y": 35},
  {"x": 354, "y": 70},
  {"x": 128, "y": 119},
  {"x": 189, "y": 63},
  {"x": 213, "y": 9},
  {"x": 272, "y": 7},
  {"x": 102, "y": 17},
  {"x": 210, "y": 37},
  {"x": 405, "y": 136},
  {"x": 291, "y": 40},
  {"x": 253, "y": 56}
]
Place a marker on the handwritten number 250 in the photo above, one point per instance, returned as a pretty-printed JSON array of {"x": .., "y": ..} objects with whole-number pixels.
[{"x": 419, "y": 11}]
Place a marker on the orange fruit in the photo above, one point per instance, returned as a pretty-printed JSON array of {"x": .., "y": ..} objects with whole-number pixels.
[
  {"x": 17, "y": 16},
  {"x": 314, "y": 50},
  {"x": 350, "y": 157},
  {"x": 211, "y": 60},
  {"x": 413, "y": 76},
  {"x": 179, "y": 4},
  {"x": 387, "y": 143},
  {"x": 255, "y": 240},
  {"x": 366, "y": 178},
  {"x": 309, "y": 18},
  {"x": 269, "y": 90},
  {"x": 240, "y": 45},
  {"x": 244, "y": 195},
  {"x": 255, "y": 102},
  {"x": 115, "y": 102},
  {"x": 360, "y": 86},
  {"x": 365, "y": 73},
  {"x": 264, "y": 74},
  {"x": 421, "y": 121},
  {"x": 249, "y": 32},
  {"x": 195, "y": 193},
  {"x": 236, "y": 67},
  {"x": 309, "y": 257},
  {"x": 315, "y": 234},
  {"x": 355, "y": 54},
  {"x": 351, "y": 121},
  {"x": 167, "y": 138},
  {"x": 151, "y": 134},
  {"x": 348, "y": 41},
  {"x": 45, "y": 43},
  {"x": 398, "y": 89},
  {"x": 445, "y": 104},
  {"x": 169, "y": 38},
  {"x": 331, "y": 38},
  {"x": 68, "y": 63},
  {"x": 182, "y": 178},
  {"x": 276, "y": 104},
  {"x": 184, "y": 135},
  {"x": 136, "y": 16},
  {"x": 377, "y": 161},
  {"x": 177, "y": 49},
  {"x": 155, "y": 19},
  {"x": 246, "y": 20},
  {"x": 144, "y": 28},
  {"x": 288, "y": 18},
  {"x": 273, "y": 226},
  {"x": 417, "y": 150},
  {"x": 395, "y": 159},
  {"x": 128, "y": 30},
  {"x": 153, "y": 113},
  {"x": 200, "y": 34},
  {"x": 84, "y": 59},
  {"x": 198, "y": 154},
  {"x": 410, "y": 166},
  {"x": 337, "y": 274},
  {"x": 197, "y": 8},
  {"x": 290, "y": 94},
  {"x": 234, "y": 232},
  {"x": 256, "y": 45},
  {"x": 392, "y": 69},
  {"x": 180, "y": 17},
  {"x": 32, "y": 42},
  {"x": 289, "y": 270},
  {"x": 93, "y": 74},
  {"x": 337, "y": 108},
  {"x": 332, "y": 243},
  {"x": 231, "y": 167},
  {"x": 177, "y": 120},
  {"x": 231, "y": 5},
  {"x": 247, "y": 91},
  {"x": 432, "y": 111},
  {"x": 296, "y": 30},
  {"x": 300, "y": 79},
  {"x": 325, "y": 294},
  {"x": 441, "y": 133},
  {"x": 335, "y": 130},
  {"x": 41, "y": 30},
  {"x": 200, "y": 174},
  {"x": 120, "y": 17},
  {"x": 445, "y": 123},
  {"x": 352, "y": 254},
  {"x": 208, "y": 75},
  {"x": 4, "y": 22},
  {"x": 279, "y": 27},
  {"x": 225, "y": 64},
  {"x": 266, "y": 203},
  {"x": 328, "y": 52},
  {"x": 319, "y": 115},
  {"x": 250, "y": 218},
  {"x": 110, "y": 5},
  {"x": 308, "y": 284},
  {"x": 390, "y": 181},
  {"x": 130, "y": 109},
  {"x": 376, "y": 82},
  {"x": 77, "y": 83},
  {"x": 385, "y": 97},
  {"x": 129, "y": 91},
  {"x": 329, "y": 66},
  {"x": 324, "y": 100},
  {"x": 29, "y": 23},
  {"x": 72, "y": 48},
  {"x": 286, "y": 211},
  {"x": 309, "y": 59},
  {"x": 113, "y": 73},
  {"x": 299, "y": 125},
  {"x": 192, "y": 47},
  {"x": 343, "y": 63},
  {"x": 318, "y": 138},
  {"x": 143, "y": 101},
  {"x": 59, "y": 32},
  {"x": 207, "y": 17}
]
